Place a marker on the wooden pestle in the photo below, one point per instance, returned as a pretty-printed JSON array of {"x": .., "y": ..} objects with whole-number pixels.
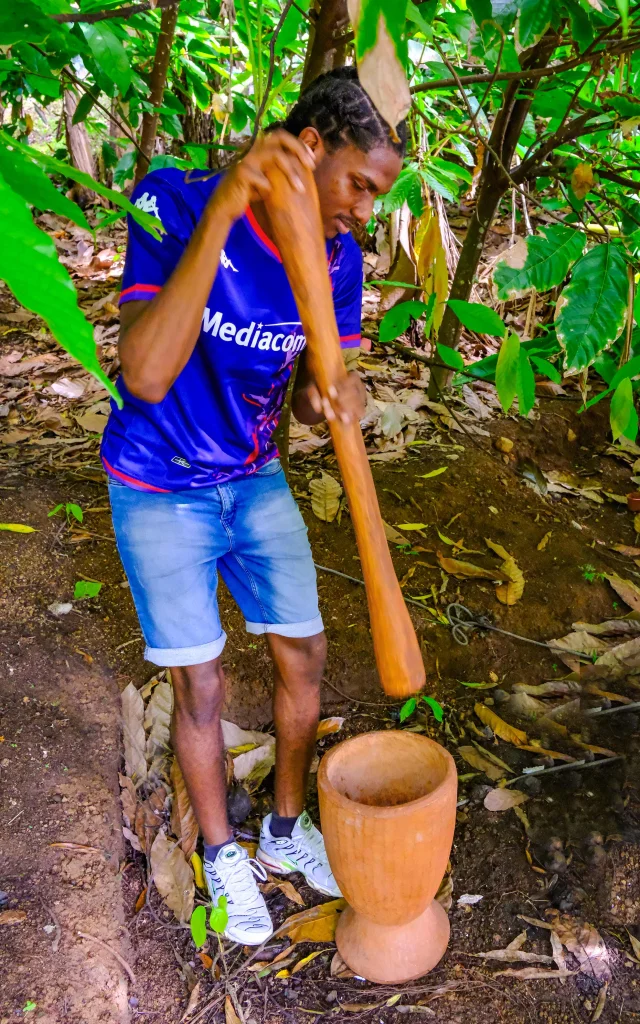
[{"x": 297, "y": 229}]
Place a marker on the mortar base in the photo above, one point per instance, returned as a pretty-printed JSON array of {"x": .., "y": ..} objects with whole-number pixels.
[{"x": 390, "y": 954}]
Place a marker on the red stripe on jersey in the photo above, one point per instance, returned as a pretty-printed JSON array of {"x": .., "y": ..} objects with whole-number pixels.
[
  {"x": 132, "y": 480},
  {"x": 140, "y": 288},
  {"x": 257, "y": 230}
]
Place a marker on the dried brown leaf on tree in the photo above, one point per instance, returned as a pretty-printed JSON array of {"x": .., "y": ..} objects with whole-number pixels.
[
  {"x": 183, "y": 820},
  {"x": 173, "y": 877},
  {"x": 504, "y": 799},
  {"x": 582, "y": 180},
  {"x": 506, "y": 732},
  {"x": 626, "y": 589},
  {"x": 325, "y": 496},
  {"x": 134, "y": 738},
  {"x": 318, "y": 924},
  {"x": 476, "y": 760},
  {"x": 381, "y": 72},
  {"x": 510, "y": 592}
]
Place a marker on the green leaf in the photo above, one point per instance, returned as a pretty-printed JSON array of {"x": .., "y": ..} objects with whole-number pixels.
[
  {"x": 75, "y": 511},
  {"x": 408, "y": 708},
  {"x": 508, "y": 371},
  {"x": 547, "y": 369},
  {"x": 623, "y": 9},
  {"x": 591, "y": 309},
  {"x": 29, "y": 1006},
  {"x": 407, "y": 183},
  {"x": 434, "y": 472},
  {"x": 438, "y": 713},
  {"x": 477, "y": 317},
  {"x": 450, "y": 357},
  {"x": 30, "y": 266},
  {"x": 17, "y": 528},
  {"x": 109, "y": 53},
  {"x": 219, "y": 918},
  {"x": 623, "y": 414},
  {"x": 29, "y": 180},
  {"x": 82, "y": 111},
  {"x": 367, "y": 28},
  {"x": 547, "y": 263},
  {"x": 198, "y": 926},
  {"x": 630, "y": 369},
  {"x": 54, "y": 511},
  {"x": 149, "y": 223},
  {"x": 533, "y": 21},
  {"x": 396, "y": 321},
  {"x": 85, "y": 589},
  {"x": 526, "y": 384},
  {"x": 23, "y": 22}
]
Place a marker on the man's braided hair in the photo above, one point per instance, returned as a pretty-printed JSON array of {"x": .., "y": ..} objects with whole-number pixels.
[{"x": 336, "y": 105}]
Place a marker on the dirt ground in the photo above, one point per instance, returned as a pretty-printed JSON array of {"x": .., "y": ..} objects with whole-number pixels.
[{"x": 60, "y": 750}]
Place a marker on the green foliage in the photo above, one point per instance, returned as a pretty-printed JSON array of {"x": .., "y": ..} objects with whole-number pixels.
[
  {"x": 623, "y": 414},
  {"x": 450, "y": 356},
  {"x": 397, "y": 320},
  {"x": 219, "y": 917},
  {"x": 29, "y": 181},
  {"x": 198, "y": 926},
  {"x": 410, "y": 706},
  {"x": 477, "y": 317},
  {"x": 71, "y": 511},
  {"x": 109, "y": 53},
  {"x": 507, "y": 371},
  {"x": 549, "y": 257},
  {"x": 85, "y": 589},
  {"x": 592, "y": 308}
]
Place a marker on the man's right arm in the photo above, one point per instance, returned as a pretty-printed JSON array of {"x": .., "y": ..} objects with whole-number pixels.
[{"x": 158, "y": 337}]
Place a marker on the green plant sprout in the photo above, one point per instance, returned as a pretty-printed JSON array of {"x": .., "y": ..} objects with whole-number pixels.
[
  {"x": 71, "y": 511},
  {"x": 410, "y": 706}
]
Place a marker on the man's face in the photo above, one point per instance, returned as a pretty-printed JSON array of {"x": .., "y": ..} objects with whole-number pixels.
[{"x": 349, "y": 180}]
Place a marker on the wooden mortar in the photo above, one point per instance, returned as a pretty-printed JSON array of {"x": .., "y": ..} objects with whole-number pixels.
[{"x": 388, "y": 809}]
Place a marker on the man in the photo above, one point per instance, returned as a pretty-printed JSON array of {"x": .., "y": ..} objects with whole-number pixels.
[{"x": 209, "y": 336}]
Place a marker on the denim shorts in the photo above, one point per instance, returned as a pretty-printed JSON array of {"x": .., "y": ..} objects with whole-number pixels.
[{"x": 172, "y": 546}]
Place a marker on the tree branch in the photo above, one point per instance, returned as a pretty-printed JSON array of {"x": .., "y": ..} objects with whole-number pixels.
[
  {"x": 119, "y": 12},
  {"x": 618, "y": 178},
  {"x": 572, "y": 131},
  {"x": 272, "y": 62},
  {"x": 519, "y": 76}
]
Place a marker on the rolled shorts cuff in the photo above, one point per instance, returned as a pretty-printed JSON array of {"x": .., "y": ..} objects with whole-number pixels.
[
  {"x": 179, "y": 657},
  {"x": 310, "y": 627}
]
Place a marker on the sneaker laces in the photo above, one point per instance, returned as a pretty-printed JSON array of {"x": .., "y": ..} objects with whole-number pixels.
[
  {"x": 310, "y": 842},
  {"x": 239, "y": 882}
]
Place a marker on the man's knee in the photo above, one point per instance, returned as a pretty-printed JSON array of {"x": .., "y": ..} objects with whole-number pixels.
[
  {"x": 302, "y": 658},
  {"x": 199, "y": 692}
]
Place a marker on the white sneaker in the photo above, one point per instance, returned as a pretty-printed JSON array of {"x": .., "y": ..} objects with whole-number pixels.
[
  {"x": 303, "y": 852},
  {"x": 233, "y": 874}
]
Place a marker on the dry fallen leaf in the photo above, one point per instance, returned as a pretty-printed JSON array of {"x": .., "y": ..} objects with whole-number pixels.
[
  {"x": 9, "y": 917},
  {"x": 533, "y": 973},
  {"x": 467, "y": 570},
  {"x": 173, "y": 877},
  {"x": 253, "y": 766},
  {"x": 508, "y": 593},
  {"x": 628, "y": 591},
  {"x": 307, "y": 960},
  {"x": 504, "y": 799},
  {"x": 192, "y": 1003},
  {"x": 325, "y": 496},
  {"x": 506, "y": 732},
  {"x": 17, "y": 527},
  {"x": 618, "y": 662},
  {"x": 600, "y": 1002},
  {"x": 514, "y": 956},
  {"x": 503, "y": 444},
  {"x": 157, "y": 723},
  {"x": 393, "y": 536},
  {"x": 183, "y": 820},
  {"x": 581, "y": 939},
  {"x": 286, "y": 888},
  {"x": 318, "y": 924},
  {"x": 328, "y": 726},
  {"x": 339, "y": 969},
  {"x": 545, "y": 540},
  {"x": 476, "y": 760},
  {"x": 134, "y": 738},
  {"x": 230, "y": 1015}
]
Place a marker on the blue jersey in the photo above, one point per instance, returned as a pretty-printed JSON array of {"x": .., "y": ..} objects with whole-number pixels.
[{"x": 217, "y": 421}]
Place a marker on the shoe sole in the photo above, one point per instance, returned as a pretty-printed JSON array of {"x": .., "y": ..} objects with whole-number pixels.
[{"x": 278, "y": 869}]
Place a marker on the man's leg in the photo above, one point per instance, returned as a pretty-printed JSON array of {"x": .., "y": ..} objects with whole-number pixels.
[
  {"x": 299, "y": 664},
  {"x": 197, "y": 741}
]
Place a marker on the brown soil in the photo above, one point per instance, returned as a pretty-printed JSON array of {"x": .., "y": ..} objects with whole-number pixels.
[{"x": 60, "y": 751}]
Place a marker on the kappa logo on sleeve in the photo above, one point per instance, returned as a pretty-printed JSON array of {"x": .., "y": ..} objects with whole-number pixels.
[
  {"x": 148, "y": 204},
  {"x": 226, "y": 262}
]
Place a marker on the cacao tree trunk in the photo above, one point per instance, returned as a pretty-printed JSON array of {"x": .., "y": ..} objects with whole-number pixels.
[
  {"x": 326, "y": 48},
  {"x": 157, "y": 84}
]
